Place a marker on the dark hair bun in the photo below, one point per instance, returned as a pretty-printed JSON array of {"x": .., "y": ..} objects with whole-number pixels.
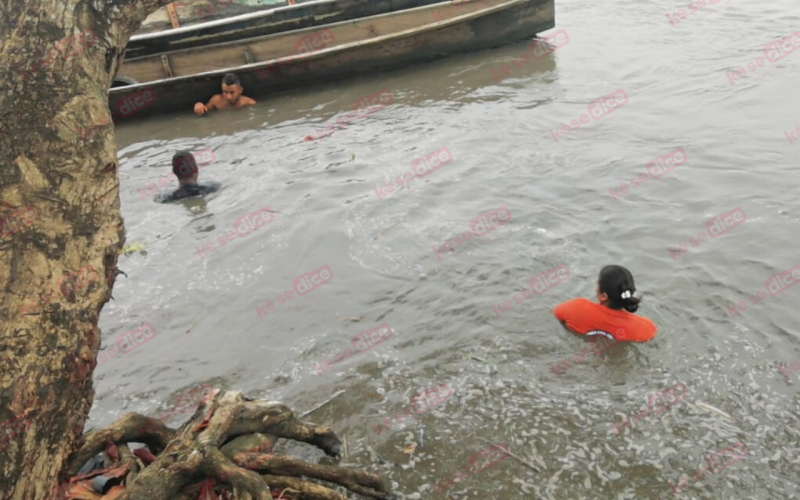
[
  {"x": 617, "y": 283},
  {"x": 631, "y": 304}
]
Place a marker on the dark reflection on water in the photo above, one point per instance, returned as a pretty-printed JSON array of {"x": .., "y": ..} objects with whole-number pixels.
[{"x": 439, "y": 305}]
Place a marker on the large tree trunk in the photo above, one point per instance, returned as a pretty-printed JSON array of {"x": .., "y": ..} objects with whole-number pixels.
[{"x": 59, "y": 214}]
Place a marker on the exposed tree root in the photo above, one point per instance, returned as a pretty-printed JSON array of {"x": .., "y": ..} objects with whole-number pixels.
[
  {"x": 130, "y": 428},
  {"x": 227, "y": 445},
  {"x": 308, "y": 491},
  {"x": 356, "y": 481},
  {"x": 127, "y": 458}
]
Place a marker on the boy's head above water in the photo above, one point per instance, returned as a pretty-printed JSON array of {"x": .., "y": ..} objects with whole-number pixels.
[
  {"x": 231, "y": 88},
  {"x": 184, "y": 167},
  {"x": 615, "y": 288}
]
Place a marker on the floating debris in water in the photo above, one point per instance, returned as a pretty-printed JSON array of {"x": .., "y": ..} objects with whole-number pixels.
[
  {"x": 354, "y": 319},
  {"x": 711, "y": 409},
  {"x": 476, "y": 358},
  {"x": 515, "y": 457},
  {"x": 134, "y": 247},
  {"x": 337, "y": 393},
  {"x": 387, "y": 229},
  {"x": 374, "y": 455}
]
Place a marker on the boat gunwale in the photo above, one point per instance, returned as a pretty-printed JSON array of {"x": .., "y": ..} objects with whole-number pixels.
[
  {"x": 324, "y": 52},
  {"x": 309, "y": 29},
  {"x": 227, "y": 20}
]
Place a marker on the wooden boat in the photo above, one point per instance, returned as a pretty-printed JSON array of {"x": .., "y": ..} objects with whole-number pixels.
[
  {"x": 174, "y": 81},
  {"x": 266, "y": 22}
]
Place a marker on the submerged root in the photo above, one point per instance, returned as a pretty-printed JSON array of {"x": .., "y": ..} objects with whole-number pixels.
[{"x": 225, "y": 448}]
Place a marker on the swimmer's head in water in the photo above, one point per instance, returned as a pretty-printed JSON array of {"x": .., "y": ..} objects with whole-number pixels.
[
  {"x": 184, "y": 167},
  {"x": 231, "y": 88},
  {"x": 615, "y": 289}
]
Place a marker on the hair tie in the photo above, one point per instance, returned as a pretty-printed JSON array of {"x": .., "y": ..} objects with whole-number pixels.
[{"x": 626, "y": 294}]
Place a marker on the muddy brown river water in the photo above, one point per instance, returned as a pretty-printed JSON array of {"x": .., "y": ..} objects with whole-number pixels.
[{"x": 630, "y": 138}]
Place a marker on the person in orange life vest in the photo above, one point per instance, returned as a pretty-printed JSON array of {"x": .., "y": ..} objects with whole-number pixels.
[{"x": 612, "y": 317}]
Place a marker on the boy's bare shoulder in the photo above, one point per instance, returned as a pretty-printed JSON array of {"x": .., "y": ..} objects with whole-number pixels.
[{"x": 218, "y": 100}]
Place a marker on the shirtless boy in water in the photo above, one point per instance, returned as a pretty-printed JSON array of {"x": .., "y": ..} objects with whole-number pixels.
[{"x": 230, "y": 98}]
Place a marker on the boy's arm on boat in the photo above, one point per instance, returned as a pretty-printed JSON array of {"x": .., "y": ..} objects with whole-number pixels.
[{"x": 213, "y": 102}]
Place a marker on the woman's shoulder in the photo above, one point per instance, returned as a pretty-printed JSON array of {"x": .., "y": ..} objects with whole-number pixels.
[
  {"x": 572, "y": 306},
  {"x": 578, "y": 302},
  {"x": 639, "y": 329}
]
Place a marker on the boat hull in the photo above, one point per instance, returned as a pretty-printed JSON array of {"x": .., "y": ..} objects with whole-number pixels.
[
  {"x": 273, "y": 21},
  {"x": 523, "y": 19}
]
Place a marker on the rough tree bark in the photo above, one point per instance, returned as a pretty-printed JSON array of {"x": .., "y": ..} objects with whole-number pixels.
[{"x": 69, "y": 186}]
